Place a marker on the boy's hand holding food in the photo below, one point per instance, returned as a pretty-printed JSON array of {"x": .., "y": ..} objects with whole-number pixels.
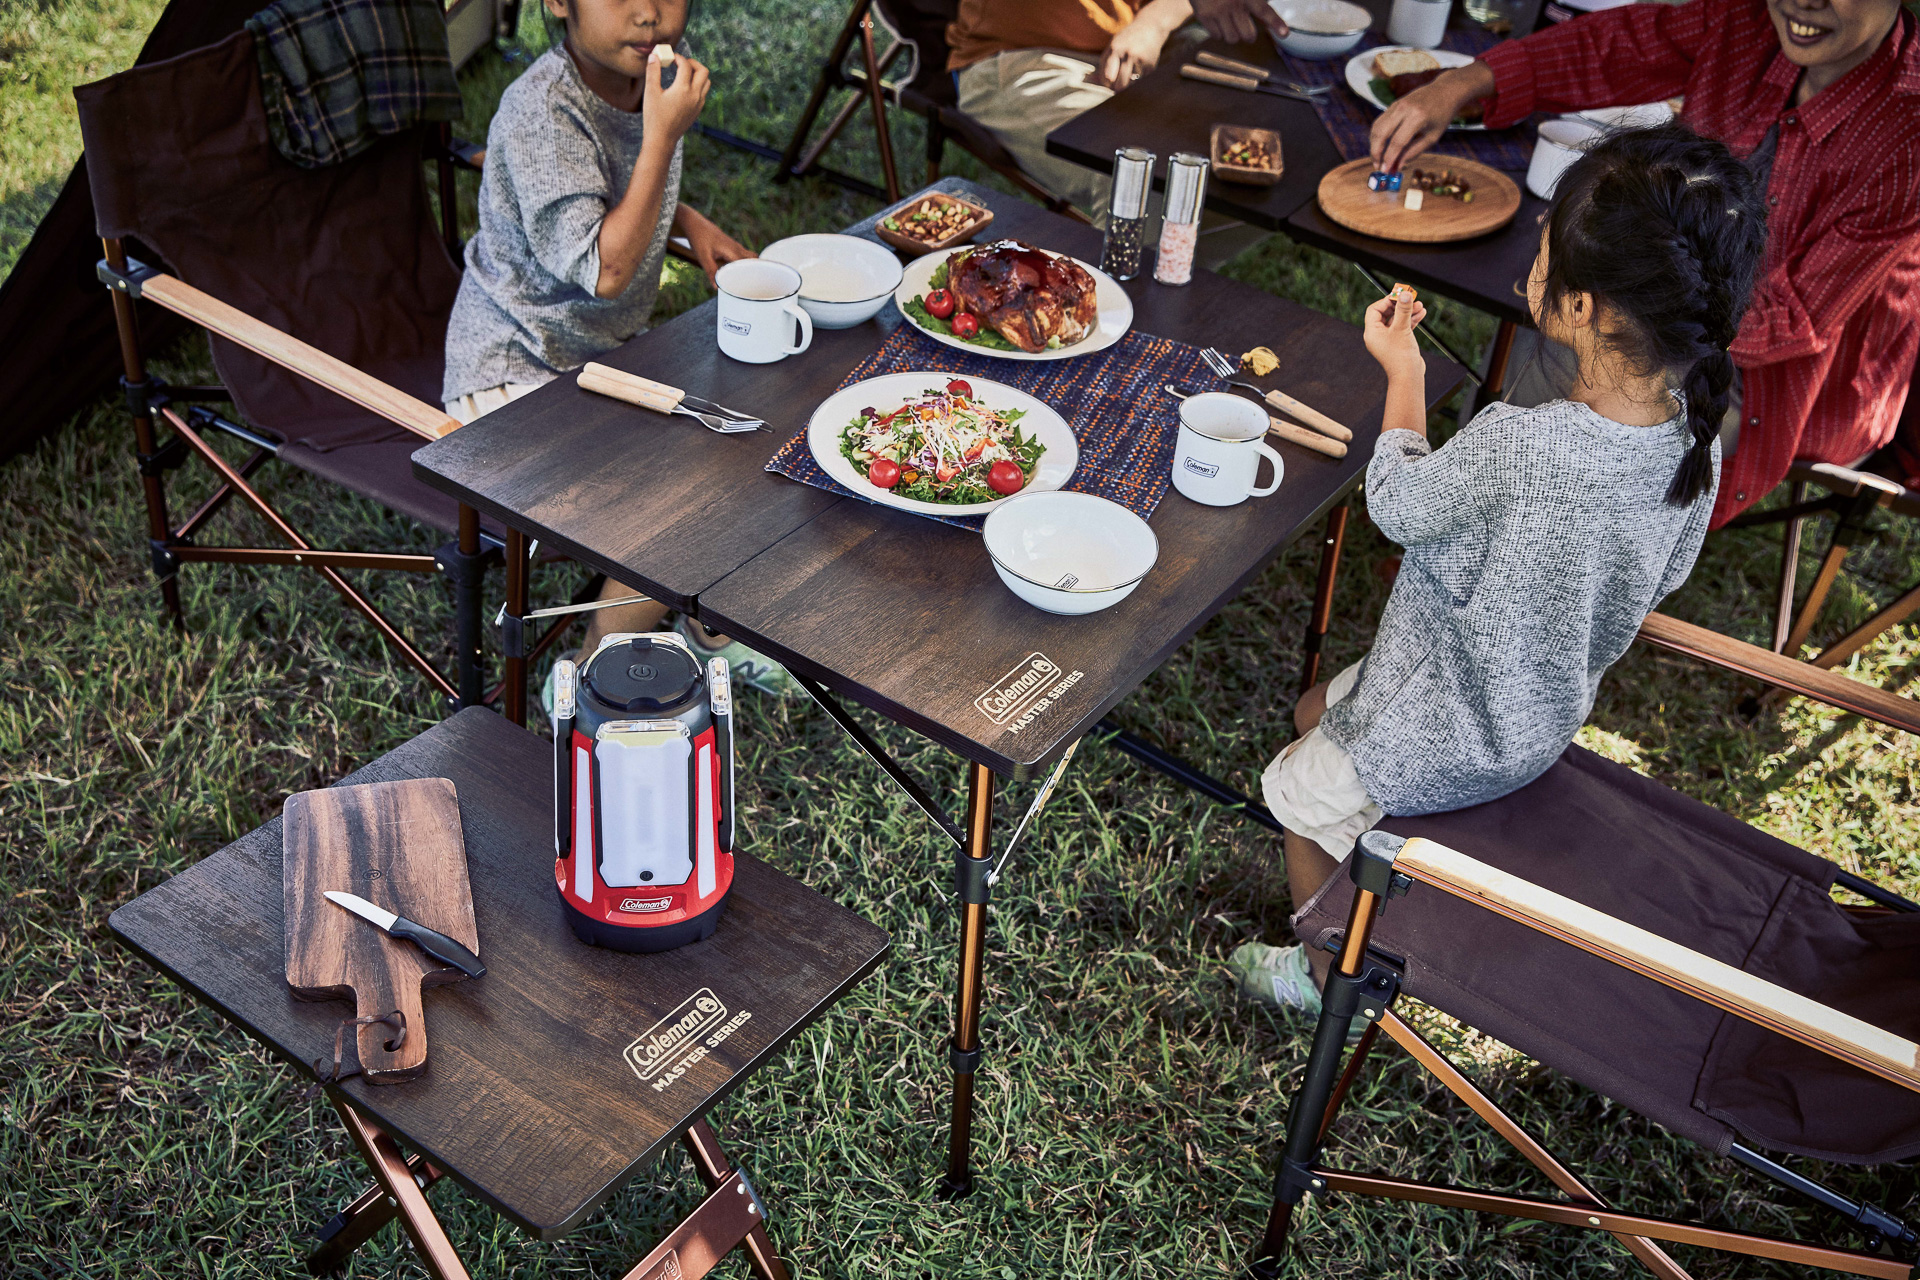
[{"x": 667, "y": 112}]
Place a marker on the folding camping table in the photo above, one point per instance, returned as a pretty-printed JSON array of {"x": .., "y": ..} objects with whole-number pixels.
[
  {"x": 534, "y": 1097},
  {"x": 900, "y": 614}
]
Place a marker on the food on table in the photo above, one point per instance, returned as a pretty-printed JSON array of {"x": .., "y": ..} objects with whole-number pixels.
[
  {"x": 1034, "y": 299},
  {"x": 1444, "y": 183},
  {"x": 966, "y": 325},
  {"x": 1380, "y": 180},
  {"x": 1398, "y": 72},
  {"x": 1389, "y": 63},
  {"x": 1251, "y": 153},
  {"x": 1414, "y": 199},
  {"x": 932, "y": 220},
  {"x": 1260, "y": 361},
  {"x": 943, "y": 446},
  {"x": 940, "y": 303},
  {"x": 960, "y": 387}
]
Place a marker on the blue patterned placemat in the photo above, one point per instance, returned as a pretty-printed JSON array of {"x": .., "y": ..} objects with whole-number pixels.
[
  {"x": 1349, "y": 118},
  {"x": 1114, "y": 401}
]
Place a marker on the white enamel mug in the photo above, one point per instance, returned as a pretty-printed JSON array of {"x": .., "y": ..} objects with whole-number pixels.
[
  {"x": 759, "y": 305},
  {"x": 1561, "y": 142},
  {"x": 1217, "y": 456}
]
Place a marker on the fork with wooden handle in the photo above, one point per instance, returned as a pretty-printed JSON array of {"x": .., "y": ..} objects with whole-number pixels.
[{"x": 657, "y": 396}]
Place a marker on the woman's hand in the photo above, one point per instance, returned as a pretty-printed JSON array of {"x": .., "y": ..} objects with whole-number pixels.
[
  {"x": 1136, "y": 47},
  {"x": 667, "y": 113},
  {"x": 1414, "y": 123},
  {"x": 1238, "y": 21},
  {"x": 712, "y": 247},
  {"x": 1391, "y": 341}
]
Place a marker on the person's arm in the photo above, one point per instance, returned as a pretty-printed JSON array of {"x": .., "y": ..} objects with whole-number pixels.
[
  {"x": 1638, "y": 53},
  {"x": 712, "y": 247},
  {"x": 1390, "y": 340},
  {"x": 1802, "y": 303},
  {"x": 1136, "y": 47},
  {"x": 1239, "y": 21},
  {"x": 666, "y": 115},
  {"x": 1414, "y": 494}
]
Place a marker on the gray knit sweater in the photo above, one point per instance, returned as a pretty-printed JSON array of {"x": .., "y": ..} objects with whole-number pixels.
[
  {"x": 559, "y": 157},
  {"x": 1537, "y": 541}
]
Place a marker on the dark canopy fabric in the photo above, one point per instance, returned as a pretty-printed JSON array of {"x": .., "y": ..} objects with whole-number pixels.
[
  {"x": 344, "y": 257},
  {"x": 57, "y": 345},
  {"x": 1601, "y": 834}
]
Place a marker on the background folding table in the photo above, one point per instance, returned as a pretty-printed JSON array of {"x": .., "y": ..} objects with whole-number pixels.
[{"x": 900, "y": 614}]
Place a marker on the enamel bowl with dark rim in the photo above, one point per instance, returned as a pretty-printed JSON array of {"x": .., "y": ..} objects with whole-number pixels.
[
  {"x": 844, "y": 280},
  {"x": 1069, "y": 552},
  {"x": 1321, "y": 29}
]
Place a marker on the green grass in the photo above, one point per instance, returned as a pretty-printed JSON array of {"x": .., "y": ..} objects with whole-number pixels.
[{"x": 1130, "y": 1104}]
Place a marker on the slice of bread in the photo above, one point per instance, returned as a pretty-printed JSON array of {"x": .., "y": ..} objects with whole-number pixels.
[{"x": 1402, "y": 62}]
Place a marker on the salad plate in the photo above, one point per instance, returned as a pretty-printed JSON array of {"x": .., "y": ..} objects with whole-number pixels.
[
  {"x": 1115, "y": 311},
  {"x": 1046, "y": 449}
]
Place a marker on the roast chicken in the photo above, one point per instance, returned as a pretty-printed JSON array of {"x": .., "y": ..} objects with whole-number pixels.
[{"x": 1026, "y": 295}]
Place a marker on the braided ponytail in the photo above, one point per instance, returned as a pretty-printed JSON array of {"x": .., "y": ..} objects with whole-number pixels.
[{"x": 1666, "y": 230}]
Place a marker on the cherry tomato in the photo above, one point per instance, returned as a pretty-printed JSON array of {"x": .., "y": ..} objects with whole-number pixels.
[
  {"x": 940, "y": 304},
  {"x": 965, "y": 325},
  {"x": 960, "y": 387},
  {"x": 1005, "y": 476},
  {"x": 884, "y": 472}
]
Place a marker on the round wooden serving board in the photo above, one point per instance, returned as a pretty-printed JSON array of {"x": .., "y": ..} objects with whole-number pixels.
[{"x": 1344, "y": 198}]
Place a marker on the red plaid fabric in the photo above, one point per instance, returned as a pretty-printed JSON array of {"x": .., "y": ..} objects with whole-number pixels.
[{"x": 1828, "y": 347}]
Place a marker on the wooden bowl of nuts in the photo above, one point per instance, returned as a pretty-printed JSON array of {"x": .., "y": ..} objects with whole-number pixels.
[
  {"x": 1247, "y": 156},
  {"x": 931, "y": 222}
]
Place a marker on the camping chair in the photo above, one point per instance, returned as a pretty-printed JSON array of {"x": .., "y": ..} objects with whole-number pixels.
[
  {"x": 916, "y": 29},
  {"x": 325, "y": 293},
  {"x": 1786, "y": 1025}
]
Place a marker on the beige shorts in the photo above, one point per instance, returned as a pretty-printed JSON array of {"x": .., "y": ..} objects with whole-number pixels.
[
  {"x": 1313, "y": 789},
  {"x": 477, "y": 404},
  {"x": 1022, "y": 95}
]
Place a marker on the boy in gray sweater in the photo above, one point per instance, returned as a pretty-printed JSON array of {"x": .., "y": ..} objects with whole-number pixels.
[{"x": 1538, "y": 539}]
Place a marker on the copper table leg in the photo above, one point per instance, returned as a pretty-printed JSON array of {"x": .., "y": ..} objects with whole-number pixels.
[{"x": 974, "y": 862}]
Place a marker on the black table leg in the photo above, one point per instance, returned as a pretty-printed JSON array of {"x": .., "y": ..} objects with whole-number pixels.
[
  {"x": 1322, "y": 617},
  {"x": 974, "y": 862}
]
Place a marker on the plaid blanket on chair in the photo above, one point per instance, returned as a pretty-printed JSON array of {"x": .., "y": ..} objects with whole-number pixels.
[{"x": 336, "y": 75}]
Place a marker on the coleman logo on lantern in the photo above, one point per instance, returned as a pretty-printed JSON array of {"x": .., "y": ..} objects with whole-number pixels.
[{"x": 642, "y": 792}]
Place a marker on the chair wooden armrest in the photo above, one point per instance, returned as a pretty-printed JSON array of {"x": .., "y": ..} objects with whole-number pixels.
[
  {"x": 1781, "y": 671},
  {"x": 426, "y": 420},
  {"x": 1738, "y": 992}
]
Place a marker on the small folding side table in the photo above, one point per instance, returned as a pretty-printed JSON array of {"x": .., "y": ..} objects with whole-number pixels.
[{"x": 565, "y": 1070}]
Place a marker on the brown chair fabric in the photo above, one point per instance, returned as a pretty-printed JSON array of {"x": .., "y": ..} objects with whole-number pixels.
[
  {"x": 1604, "y": 836},
  {"x": 346, "y": 257}
]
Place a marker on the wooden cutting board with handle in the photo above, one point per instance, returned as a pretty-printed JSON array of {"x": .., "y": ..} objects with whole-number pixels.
[
  {"x": 399, "y": 846},
  {"x": 1344, "y": 198}
]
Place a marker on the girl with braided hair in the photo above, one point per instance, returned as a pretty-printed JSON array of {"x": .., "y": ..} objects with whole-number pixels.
[{"x": 1537, "y": 539}]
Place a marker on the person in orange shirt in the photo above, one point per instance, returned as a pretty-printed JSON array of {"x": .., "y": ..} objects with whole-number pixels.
[{"x": 1023, "y": 68}]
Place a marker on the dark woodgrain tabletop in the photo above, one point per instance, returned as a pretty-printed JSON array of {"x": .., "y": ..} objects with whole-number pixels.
[
  {"x": 544, "y": 1090},
  {"x": 1165, "y": 113}
]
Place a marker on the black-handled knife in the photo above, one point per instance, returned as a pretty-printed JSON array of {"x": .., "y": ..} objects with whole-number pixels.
[{"x": 437, "y": 945}]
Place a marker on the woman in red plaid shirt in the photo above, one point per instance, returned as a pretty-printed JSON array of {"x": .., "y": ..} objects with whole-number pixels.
[{"x": 1822, "y": 99}]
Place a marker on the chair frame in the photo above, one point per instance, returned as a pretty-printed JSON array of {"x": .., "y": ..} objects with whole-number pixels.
[{"x": 1364, "y": 982}]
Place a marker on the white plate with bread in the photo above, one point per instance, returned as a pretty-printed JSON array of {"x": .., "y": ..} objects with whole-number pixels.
[{"x": 1388, "y": 61}]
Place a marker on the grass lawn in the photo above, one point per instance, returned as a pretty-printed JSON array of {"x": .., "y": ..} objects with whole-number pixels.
[{"x": 1131, "y": 1102}]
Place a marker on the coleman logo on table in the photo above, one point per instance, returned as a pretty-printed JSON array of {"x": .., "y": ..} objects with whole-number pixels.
[
  {"x": 645, "y": 904},
  {"x": 1013, "y": 691},
  {"x": 666, "y": 1050}
]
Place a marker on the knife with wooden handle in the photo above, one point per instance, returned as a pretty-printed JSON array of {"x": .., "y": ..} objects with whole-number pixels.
[
  {"x": 1308, "y": 414},
  {"x": 630, "y": 387},
  {"x": 1221, "y": 62},
  {"x": 1231, "y": 81},
  {"x": 1305, "y": 439}
]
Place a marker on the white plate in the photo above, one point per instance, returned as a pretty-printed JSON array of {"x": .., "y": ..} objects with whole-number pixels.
[
  {"x": 1360, "y": 74},
  {"x": 1116, "y": 311},
  {"x": 891, "y": 390}
]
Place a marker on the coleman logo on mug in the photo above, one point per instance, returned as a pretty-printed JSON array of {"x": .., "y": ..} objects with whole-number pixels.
[
  {"x": 731, "y": 325},
  {"x": 1200, "y": 468}
]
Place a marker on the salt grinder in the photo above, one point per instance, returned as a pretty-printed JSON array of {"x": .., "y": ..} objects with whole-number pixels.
[
  {"x": 1180, "y": 232},
  {"x": 1127, "y": 212}
]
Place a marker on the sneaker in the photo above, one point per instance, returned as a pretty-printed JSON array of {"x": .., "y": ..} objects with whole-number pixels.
[
  {"x": 1280, "y": 978},
  {"x": 745, "y": 665}
]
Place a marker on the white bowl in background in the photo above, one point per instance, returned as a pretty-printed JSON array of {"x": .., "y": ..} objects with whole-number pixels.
[
  {"x": 1561, "y": 142},
  {"x": 1069, "y": 553},
  {"x": 844, "y": 280},
  {"x": 1321, "y": 29}
]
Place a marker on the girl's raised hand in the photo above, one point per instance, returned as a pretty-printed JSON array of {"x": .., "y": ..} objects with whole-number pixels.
[
  {"x": 1390, "y": 338},
  {"x": 670, "y": 111}
]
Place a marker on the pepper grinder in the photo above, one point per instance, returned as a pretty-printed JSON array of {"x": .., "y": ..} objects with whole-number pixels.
[
  {"x": 1180, "y": 231},
  {"x": 1127, "y": 212}
]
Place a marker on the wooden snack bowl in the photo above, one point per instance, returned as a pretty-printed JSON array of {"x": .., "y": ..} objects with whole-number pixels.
[
  {"x": 1345, "y": 199},
  {"x": 912, "y": 244},
  {"x": 1225, "y": 135}
]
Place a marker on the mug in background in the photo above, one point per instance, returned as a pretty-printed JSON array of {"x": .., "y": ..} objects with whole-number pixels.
[
  {"x": 1561, "y": 143},
  {"x": 1217, "y": 456},
  {"x": 1419, "y": 23},
  {"x": 759, "y": 305}
]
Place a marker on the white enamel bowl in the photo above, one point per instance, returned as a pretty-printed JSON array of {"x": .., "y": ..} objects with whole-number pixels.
[
  {"x": 890, "y": 390},
  {"x": 844, "y": 280},
  {"x": 1069, "y": 553},
  {"x": 1321, "y": 30}
]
